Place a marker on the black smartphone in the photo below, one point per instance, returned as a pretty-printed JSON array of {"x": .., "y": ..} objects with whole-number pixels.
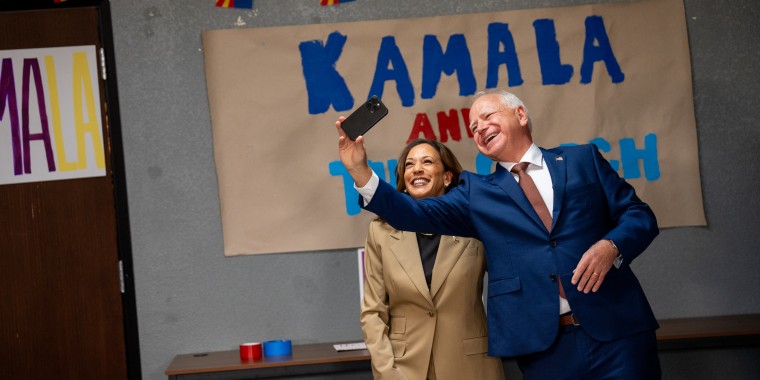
[{"x": 364, "y": 118}]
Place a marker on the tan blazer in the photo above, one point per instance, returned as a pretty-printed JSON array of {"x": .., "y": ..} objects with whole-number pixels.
[{"x": 407, "y": 327}]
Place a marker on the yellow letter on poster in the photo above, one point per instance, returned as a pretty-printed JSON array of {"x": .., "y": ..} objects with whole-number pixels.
[
  {"x": 82, "y": 88},
  {"x": 55, "y": 111}
]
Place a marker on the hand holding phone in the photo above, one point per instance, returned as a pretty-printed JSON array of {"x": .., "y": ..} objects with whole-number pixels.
[{"x": 364, "y": 118}]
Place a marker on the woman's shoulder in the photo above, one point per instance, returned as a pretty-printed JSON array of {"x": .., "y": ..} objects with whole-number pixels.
[
  {"x": 380, "y": 227},
  {"x": 378, "y": 223}
]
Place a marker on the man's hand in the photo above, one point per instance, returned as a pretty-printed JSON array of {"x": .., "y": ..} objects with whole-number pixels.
[
  {"x": 353, "y": 155},
  {"x": 594, "y": 265}
]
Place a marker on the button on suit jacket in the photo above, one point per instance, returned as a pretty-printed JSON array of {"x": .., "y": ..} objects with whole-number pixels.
[{"x": 591, "y": 202}]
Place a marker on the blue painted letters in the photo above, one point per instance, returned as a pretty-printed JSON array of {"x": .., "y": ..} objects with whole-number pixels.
[
  {"x": 552, "y": 69},
  {"x": 593, "y": 52},
  {"x": 390, "y": 56},
  {"x": 324, "y": 84},
  {"x": 498, "y": 36},
  {"x": 455, "y": 59}
]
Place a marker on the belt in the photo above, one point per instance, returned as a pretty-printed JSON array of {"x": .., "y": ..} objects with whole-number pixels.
[{"x": 568, "y": 319}]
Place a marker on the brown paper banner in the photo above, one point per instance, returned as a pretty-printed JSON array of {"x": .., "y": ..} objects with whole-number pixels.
[{"x": 617, "y": 75}]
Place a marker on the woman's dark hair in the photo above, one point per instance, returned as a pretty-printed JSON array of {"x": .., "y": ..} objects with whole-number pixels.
[{"x": 449, "y": 160}]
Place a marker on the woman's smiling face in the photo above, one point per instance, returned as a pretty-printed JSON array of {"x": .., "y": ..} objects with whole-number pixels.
[{"x": 424, "y": 175}]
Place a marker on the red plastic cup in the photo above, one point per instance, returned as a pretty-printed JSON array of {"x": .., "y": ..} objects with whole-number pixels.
[{"x": 250, "y": 351}]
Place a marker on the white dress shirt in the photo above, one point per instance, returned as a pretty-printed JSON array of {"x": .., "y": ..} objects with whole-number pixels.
[{"x": 538, "y": 171}]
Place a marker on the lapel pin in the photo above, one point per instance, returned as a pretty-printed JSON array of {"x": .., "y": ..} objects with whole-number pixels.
[{"x": 559, "y": 159}]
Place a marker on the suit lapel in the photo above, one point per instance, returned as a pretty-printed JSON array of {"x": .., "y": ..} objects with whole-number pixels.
[
  {"x": 506, "y": 182},
  {"x": 449, "y": 251},
  {"x": 555, "y": 162},
  {"x": 407, "y": 253}
]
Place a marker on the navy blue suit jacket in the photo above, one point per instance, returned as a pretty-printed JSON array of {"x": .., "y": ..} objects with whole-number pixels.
[{"x": 591, "y": 202}]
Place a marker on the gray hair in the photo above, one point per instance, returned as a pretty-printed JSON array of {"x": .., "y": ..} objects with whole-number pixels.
[{"x": 510, "y": 100}]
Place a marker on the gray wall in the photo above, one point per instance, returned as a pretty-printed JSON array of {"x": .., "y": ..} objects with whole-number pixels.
[{"x": 191, "y": 298}]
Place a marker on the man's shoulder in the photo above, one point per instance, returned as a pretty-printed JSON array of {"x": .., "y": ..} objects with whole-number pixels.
[
  {"x": 469, "y": 174},
  {"x": 468, "y": 178},
  {"x": 571, "y": 149},
  {"x": 580, "y": 152}
]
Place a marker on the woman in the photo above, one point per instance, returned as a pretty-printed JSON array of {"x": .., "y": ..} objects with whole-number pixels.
[{"x": 422, "y": 314}]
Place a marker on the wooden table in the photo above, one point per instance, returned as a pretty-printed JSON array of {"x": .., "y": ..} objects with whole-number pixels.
[
  {"x": 703, "y": 332},
  {"x": 321, "y": 358},
  {"x": 306, "y": 359}
]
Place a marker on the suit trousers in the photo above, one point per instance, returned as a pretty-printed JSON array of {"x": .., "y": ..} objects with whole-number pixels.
[{"x": 574, "y": 355}]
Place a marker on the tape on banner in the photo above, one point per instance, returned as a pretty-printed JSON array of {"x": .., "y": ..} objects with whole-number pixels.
[{"x": 277, "y": 347}]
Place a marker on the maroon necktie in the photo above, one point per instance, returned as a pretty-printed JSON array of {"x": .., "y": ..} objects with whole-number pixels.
[{"x": 531, "y": 192}]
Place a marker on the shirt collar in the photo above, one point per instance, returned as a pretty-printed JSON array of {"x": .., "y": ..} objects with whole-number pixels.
[{"x": 532, "y": 156}]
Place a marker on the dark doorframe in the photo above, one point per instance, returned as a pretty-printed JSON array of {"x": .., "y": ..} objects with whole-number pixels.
[{"x": 112, "y": 124}]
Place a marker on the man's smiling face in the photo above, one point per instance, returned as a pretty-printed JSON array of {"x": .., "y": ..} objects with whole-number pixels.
[{"x": 499, "y": 132}]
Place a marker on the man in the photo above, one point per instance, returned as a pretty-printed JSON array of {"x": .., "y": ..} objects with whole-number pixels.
[{"x": 562, "y": 298}]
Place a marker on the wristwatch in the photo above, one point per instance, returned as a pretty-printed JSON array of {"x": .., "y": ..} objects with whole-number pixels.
[{"x": 619, "y": 259}]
